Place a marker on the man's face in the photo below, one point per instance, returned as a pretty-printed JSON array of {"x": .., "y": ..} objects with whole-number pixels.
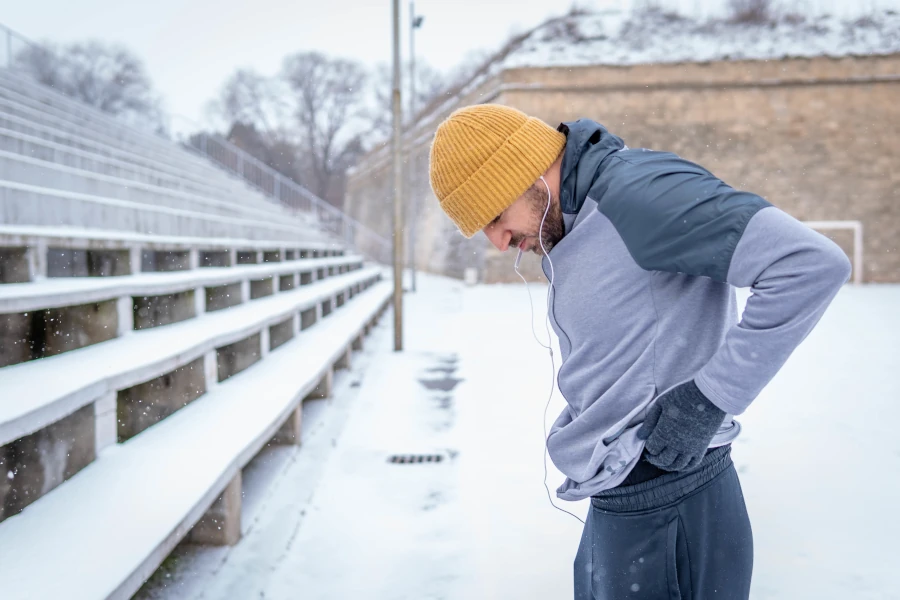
[{"x": 517, "y": 226}]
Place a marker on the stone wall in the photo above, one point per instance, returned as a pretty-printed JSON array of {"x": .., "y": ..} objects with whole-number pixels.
[{"x": 819, "y": 138}]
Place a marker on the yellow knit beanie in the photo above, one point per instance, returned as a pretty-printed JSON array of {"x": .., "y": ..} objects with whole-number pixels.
[{"x": 484, "y": 157}]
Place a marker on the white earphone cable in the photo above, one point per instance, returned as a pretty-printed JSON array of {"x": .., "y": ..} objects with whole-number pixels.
[{"x": 549, "y": 345}]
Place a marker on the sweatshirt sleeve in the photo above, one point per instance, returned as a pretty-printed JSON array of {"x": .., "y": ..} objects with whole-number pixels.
[
  {"x": 675, "y": 216},
  {"x": 793, "y": 273}
]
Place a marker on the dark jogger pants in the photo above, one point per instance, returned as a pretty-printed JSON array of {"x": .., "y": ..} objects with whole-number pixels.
[{"x": 681, "y": 536}]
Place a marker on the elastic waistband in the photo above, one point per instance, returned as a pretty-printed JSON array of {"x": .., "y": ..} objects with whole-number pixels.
[{"x": 666, "y": 489}]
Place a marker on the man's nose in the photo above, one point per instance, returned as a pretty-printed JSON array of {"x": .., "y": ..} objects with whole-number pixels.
[{"x": 500, "y": 238}]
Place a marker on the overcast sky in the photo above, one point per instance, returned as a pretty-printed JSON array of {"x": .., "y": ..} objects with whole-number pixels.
[{"x": 191, "y": 46}]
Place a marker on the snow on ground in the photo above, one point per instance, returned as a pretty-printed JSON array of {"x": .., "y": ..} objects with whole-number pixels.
[{"x": 333, "y": 519}]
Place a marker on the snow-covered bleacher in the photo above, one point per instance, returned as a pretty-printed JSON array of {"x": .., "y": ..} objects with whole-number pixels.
[
  {"x": 61, "y": 166},
  {"x": 160, "y": 322}
]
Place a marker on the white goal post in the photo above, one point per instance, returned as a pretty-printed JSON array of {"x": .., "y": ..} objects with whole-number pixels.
[{"x": 857, "y": 229}]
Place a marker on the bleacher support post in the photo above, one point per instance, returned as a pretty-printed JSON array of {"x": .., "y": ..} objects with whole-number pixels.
[
  {"x": 134, "y": 260},
  {"x": 211, "y": 369},
  {"x": 264, "y": 342},
  {"x": 289, "y": 434},
  {"x": 323, "y": 390},
  {"x": 37, "y": 261},
  {"x": 105, "y": 421},
  {"x": 344, "y": 361},
  {"x": 199, "y": 301},
  {"x": 221, "y": 525},
  {"x": 125, "y": 316}
]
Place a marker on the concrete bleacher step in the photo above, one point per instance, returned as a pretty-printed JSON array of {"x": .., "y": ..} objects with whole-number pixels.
[
  {"x": 23, "y": 204},
  {"x": 83, "y": 123},
  {"x": 38, "y": 148},
  {"x": 79, "y": 377},
  {"x": 128, "y": 155},
  {"x": 37, "y": 103},
  {"x": 130, "y": 508},
  {"x": 219, "y": 185},
  {"x": 12, "y": 104},
  {"x": 29, "y": 139},
  {"x": 174, "y": 159},
  {"x": 29, "y": 236},
  {"x": 74, "y": 291},
  {"x": 217, "y": 181},
  {"x": 53, "y": 313},
  {"x": 61, "y": 109},
  {"x": 33, "y": 171},
  {"x": 61, "y": 154},
  {"x": 26, "y": 252},
  {"x": 24, "y": 90}
]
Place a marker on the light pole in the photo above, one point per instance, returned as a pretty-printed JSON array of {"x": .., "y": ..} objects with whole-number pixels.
[
  {"x": 415, "y": 21},
  {"x": 398, "y": 188}
]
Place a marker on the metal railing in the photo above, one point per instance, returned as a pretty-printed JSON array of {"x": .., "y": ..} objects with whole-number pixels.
[
  {"x": 227, "y": 156},
  {"x": 11, "y": 44},
  {"x": 291, "y": 194}
]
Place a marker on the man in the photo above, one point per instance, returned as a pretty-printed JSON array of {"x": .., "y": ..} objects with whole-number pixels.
[{"x": 643, "y": 249}]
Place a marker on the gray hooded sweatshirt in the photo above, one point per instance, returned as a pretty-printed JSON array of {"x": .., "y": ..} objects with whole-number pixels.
[{"x": 643, "y": 297}]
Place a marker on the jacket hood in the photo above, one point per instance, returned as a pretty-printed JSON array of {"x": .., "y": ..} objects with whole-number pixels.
[{"x": 588, "y": 143}]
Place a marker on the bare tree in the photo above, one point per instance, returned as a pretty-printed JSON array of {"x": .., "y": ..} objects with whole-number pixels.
[
  {"x": 108, "y": 77},
  {"x": 310, "y": 121},
  {"x": 430, "y": 84},
  {"x": 275, "y": 151},
  {"x": 41, "y": 62},
  {"x": 750, "y": 11},
  {"x": 474, "y": 61},
  {"x": 327, "y": 96},
  {"x": 379, "y": 111},
  {"x": 252, "y": 99}
]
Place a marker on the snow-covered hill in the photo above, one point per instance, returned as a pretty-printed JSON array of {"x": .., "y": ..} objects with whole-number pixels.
[{"x": 616, "y": 38}]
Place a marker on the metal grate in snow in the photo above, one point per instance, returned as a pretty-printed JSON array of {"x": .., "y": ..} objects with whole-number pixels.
[{"x": 406, "y": 459}]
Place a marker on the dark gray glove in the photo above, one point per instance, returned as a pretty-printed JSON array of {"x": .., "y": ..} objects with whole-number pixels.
[{"x": 679, "y": 427}]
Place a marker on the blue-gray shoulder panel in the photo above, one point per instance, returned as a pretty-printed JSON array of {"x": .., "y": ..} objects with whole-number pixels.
[{"x": 673, "y": 215}]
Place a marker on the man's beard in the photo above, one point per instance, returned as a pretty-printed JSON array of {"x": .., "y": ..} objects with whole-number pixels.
[{"x": 553, "y": 229}]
